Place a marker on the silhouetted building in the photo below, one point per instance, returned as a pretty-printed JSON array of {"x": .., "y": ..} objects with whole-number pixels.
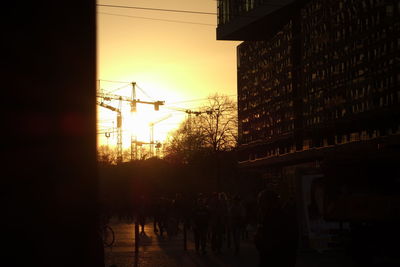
[
  {"x": 319, "y": 103},
  {"x": 49, "y": 168}
]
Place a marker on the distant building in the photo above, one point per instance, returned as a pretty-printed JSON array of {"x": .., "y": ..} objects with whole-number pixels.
[{"x": 319, "y": 101}]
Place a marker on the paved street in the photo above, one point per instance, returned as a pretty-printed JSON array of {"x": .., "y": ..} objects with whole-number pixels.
[
  {"x": 155, "y": 251},
  {"x": 169, "y": 252}
]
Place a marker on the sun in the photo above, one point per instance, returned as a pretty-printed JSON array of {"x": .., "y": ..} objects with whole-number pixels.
[
  {"x": 146, "y": 125},
  {"x": 137, "y": 124}
]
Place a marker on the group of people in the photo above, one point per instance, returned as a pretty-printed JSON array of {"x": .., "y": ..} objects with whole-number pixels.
[
  {"x": 221, "y": 221},
  {"x": 215, "y": 219}
]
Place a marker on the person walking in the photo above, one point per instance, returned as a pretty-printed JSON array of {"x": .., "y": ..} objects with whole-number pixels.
[
  {"x": 200, "y": 225},
  {"x": 156, "y": 212},
  {"x": 269, "y": 237},
  {"x": 237, "y": 217},
  {"x": 142, "y": 213},
  {"x": 291, "y": 237},
  {"x": 217, "y": 213}
]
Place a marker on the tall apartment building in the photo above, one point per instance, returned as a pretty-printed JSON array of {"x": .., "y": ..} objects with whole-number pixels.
[{"x": 319, "y": 101}]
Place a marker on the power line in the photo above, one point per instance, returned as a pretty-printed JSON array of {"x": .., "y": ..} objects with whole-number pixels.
[
  {"x": 197, "y": 100},
  {"x": 144, "y": 92},
  {"x": 110, "y": 81},
  {"x": 167, "y": 20},
  {"x": 190, "y": 100},
  {"x": 117, "y": 89},
  {"x": 161, "y": 9}
]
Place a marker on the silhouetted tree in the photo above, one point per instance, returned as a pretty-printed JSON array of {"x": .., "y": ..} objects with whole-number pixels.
[
  {"x": 184, "y": 144},
  {"x": 213, "y": 129},
  {"x": 106, "y": 155},
  {"x": 218, "y": 122}
]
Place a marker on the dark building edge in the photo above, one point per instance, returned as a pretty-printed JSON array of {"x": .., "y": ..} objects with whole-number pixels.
[{"x": 49, "y": 177}]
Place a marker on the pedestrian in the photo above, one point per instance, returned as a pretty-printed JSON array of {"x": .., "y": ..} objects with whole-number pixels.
[
  {"x": 142, "y": 210},
  {"x": 269, "y": 235},
  {"x": 224, "y": 204},
  {"x": 156, "y": 210},
  {"x": 162, "y": 215},
  {"x": 200, "y": 225},
  {"x": 172, "y": 221},
  {"x": 291, "y": 237},
  {"x": 237, "y": 218}
]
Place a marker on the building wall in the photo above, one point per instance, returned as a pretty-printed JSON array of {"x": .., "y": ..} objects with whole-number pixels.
[
  {"x": 230, "y": 9},
  {"x": 265, "y": 91},
  {"x": 49, "y": 171},
  {"x": 350, "y": 72},
  {"x": 345, "y": 87}
]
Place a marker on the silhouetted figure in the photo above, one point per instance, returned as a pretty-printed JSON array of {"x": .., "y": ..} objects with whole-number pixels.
[
  {"x": 237, "y": 217},
  {"x": 218, "y": 211},
  {"x": 157, "y": 207},
  {"x": 172, "y": 219},
  {"x": 200, "y": 225},
  {"x": 269, "y": 238},
  {"x": 162, "y": 216},
  {"x": 142, "y": 210},
  {"x": 250, "y": 206},
  {"x": 225, "y": 203},
  {"x": 291, "y": 232}
]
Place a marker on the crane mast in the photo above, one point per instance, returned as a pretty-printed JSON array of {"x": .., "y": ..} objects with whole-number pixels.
[
  {"x": 119, "y": 126},
  {"x": 151, "y": 124}
]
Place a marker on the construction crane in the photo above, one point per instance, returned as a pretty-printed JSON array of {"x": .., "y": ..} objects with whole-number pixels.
[
  {"x": 133, "y": 102},
  {"x": 134, "y": 147},
  {"x": 190, "y": 112},
  {"x": 151, "y": 124},
  {"x": 107, "y": 133},
  {"x": 119, "y": 127}
]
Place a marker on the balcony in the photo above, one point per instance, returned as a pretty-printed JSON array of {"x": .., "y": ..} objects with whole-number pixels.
[{"x": 253, "y": 19}]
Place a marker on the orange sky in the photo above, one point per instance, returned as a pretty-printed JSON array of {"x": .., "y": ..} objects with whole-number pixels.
[{"x": 171, "y": 62}]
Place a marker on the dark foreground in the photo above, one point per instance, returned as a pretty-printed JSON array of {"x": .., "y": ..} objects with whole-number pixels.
[{"x": 169, "y": 252}]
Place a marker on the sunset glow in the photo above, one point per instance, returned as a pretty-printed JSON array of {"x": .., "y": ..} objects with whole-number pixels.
[{"x": 179, "y": 63}]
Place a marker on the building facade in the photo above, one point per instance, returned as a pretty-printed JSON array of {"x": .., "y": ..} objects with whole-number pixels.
[{"x": 319, "y": 102}]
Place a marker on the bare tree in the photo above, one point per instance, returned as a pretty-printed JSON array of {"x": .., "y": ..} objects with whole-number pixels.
[
  {"x": 106, "y": 155},
  {"x": 213, "y": 129},
  {"x": 184, "y": 143},
  {"x": 218, "y": 123}
]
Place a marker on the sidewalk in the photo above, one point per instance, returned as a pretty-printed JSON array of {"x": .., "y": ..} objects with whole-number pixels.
[{"x": 166, "y": 252}]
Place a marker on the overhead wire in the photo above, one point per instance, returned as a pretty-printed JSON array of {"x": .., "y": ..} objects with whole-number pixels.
[
  {"x": 172, "y": 10},
  {"x": 144, "y": 92},
  {"x": 155, "y": 19},
  {"x": 159, "y": 9},
  {"x": 196, "y": 100},
  {"x": 190, "y": 100},
  {"x": 117, "y": 89},
  {"x": 111, "y": 81}
]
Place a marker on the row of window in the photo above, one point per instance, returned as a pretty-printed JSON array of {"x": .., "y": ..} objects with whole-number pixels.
[
  {"x": 282, "y": 148},
  {"x": 344, "y": 72},
  {"x": 230, "y": 9}
]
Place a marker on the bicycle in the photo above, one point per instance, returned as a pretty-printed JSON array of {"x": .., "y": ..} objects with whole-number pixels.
[{"x": 108, "y": 236}]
